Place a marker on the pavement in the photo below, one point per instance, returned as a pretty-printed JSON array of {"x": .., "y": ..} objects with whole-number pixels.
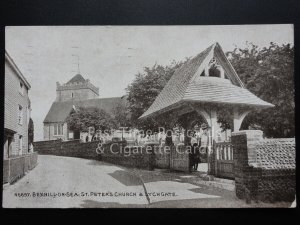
[{"x": 65, "y": 182}]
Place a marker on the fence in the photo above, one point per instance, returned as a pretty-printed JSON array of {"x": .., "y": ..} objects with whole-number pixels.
[
  {"x": 224, "y": 164},
  {"x": 17, "y": 166}
]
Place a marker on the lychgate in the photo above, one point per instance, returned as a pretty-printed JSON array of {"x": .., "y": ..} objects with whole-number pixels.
[{"x": 195, "y": 93}]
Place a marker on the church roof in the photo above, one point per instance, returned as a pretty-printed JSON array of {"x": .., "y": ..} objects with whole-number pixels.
[
  {"x": 76, "y": 78},
  {"x": 182, "y": 86},
  {"x": 59, "y": 111}
]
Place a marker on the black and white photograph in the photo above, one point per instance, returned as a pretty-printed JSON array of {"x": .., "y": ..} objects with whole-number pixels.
[{"x": 169, "y": 116}]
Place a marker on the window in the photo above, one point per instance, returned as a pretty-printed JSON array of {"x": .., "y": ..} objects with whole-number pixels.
[
  {"x": 20, "y": 144},
  {"x": 20, "y": 115},
  {"x": 58, "y": 129},
  {"x": 72, "y": 95},
  {"x": 21, "y": 88}
]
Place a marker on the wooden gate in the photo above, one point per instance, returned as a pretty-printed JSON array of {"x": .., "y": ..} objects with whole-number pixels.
[
  {"x": 224, "y": 164},
  {"x": 180, "y": 158}
]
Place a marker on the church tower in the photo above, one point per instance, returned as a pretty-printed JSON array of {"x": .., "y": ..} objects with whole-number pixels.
[{"x": 76, "y": 89}]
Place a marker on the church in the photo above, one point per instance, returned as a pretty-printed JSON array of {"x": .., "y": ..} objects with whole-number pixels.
[{"x": 77, "y": 92}]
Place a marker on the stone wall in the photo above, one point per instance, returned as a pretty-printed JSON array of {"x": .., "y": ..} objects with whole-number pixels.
[
  {"x": 67, "y": 148},
  {"x": 264, "y": 168},
  {"x": 113, "y": 152},
  {"x": 16, "y": 167},
  {"x": 130, "y": 156}
]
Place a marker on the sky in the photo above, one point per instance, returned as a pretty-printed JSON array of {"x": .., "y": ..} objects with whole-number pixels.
[{"x": 111, "y": 56}]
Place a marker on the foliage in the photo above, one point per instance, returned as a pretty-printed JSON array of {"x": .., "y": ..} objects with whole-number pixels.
[
  {"x": 269, "y": 74},
  {"x": 225, "y": 116},
  {"x": 143, "y": 91},
  {"x": 83, "y": 118},
  {"x": 122, "y": 116},
  {"x": 30, "y": 131}
]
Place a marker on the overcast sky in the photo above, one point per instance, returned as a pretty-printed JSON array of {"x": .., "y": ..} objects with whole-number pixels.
[{"x": 110, "y": 56}]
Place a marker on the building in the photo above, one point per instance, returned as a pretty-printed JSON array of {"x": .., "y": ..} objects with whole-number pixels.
[
  {"x": 17, "y": 110},
  {"x": 77, "y": 92},
  {"x": 203, "y": 84},
  {"x": 196, "y": 92},
  {"x": 76, "y": 89},
  {"x": 18, "y": 157}
]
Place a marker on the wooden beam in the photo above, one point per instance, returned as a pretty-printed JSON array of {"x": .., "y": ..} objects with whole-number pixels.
[{"x": 238, "y": 117}]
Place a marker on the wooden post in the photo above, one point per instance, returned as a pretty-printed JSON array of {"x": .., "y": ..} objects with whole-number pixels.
[{"x": 238, "y": 117}]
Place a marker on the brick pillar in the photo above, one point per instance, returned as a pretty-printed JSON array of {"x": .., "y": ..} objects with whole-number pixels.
[{"x": 246, "y": 177}]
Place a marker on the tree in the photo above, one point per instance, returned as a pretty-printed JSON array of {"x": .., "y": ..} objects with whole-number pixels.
[
  {"x": 269, "y": 74},
  {"x": 122, "y": 116},
  {"x": 30, "y": 132},
  {"x": 143, "y": 91},
  {"x": 84, "y": 118}
]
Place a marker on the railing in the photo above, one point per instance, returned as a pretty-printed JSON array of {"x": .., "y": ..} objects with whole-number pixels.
[
  {"x": 224, "y": 164},
  {"x": 224, "y": 151}
]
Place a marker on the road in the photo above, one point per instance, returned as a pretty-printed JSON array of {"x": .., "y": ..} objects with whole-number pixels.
[{"x": 65, "y": 182}]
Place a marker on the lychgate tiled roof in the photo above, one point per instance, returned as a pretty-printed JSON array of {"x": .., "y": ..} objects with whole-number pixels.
[
  {"x": 177, "y": 85},
  {"x": 276, "y": 154},
  {"x": 184, "y": 87},
  {"x": 59, "y": 111},
  {"x": 206, "y": 90}
]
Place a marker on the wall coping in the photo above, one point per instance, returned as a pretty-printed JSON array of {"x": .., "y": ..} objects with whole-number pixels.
[{"x": 250, "y": 134}]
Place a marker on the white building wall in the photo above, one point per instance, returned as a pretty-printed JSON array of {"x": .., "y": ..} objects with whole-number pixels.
[{"x": 13, "y": 98}]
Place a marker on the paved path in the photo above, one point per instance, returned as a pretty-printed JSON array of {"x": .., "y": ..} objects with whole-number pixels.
[{"x": 64, "y": 182}]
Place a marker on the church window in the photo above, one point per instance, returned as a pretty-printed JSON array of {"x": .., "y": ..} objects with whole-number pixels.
[{"x": 58, "y": 129}]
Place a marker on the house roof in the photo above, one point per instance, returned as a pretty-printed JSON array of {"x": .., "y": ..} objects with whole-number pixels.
[
  {"x": 275, "y": 154},
  {"x": 76, "y": 78},
  {"x": 17, "y": 70},
  {"x": 183, "y": 85},
  {"x": 59, "y": 111}
]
